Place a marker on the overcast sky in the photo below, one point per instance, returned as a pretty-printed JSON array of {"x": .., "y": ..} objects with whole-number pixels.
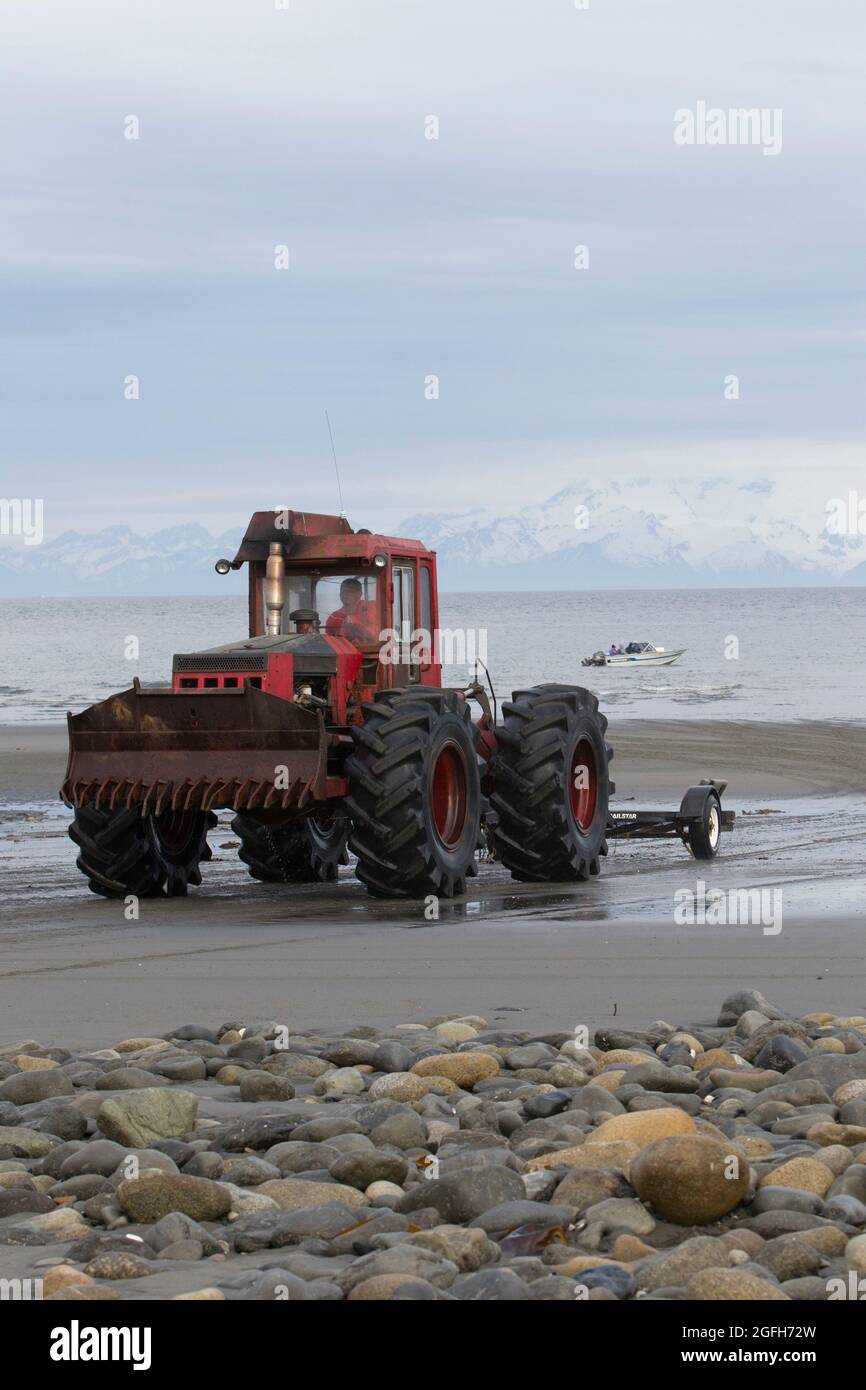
[{"x": 261, "y": 126}]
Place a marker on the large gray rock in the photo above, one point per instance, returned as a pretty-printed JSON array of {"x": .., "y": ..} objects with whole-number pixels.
[
  {"x": 176, "y": 1227},
  {"x": 181, "y": 1068},
  {"x": 129, "y": 1079},
  {"x": 265, "y": 1085},
  {"x": 507, "y": 1215},
  {"x": 138, "y": 1118},
  {"x": 258, "y": 1133},
  {"x": 532, "y": 1055},
  {"x": 832, "y": 1069},
  {"x": 392, "y": 1056},
  {"x": 57, "y": 1117},
  {"x": 742, "y": 1002},
  {"x": 675, "y": 1267},
  {"x": 152, "y": 1196},
  {"x": 17, "y": 1199},
  {"x": 29, "y": 1086},
  {"x": 18, "y": 1141},
  {"x": 102, "y": 1156},
  {"x": 771, "y": 1198},
  {"x": 413, "y": 1261},
  {"x": 363, "y": 1168},
  {"x": 465, "y": 1195}
]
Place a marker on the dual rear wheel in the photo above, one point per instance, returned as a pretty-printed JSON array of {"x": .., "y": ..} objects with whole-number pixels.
[
  {"x": 552, "y": 785},
  {"x": 416, "y": 797}
]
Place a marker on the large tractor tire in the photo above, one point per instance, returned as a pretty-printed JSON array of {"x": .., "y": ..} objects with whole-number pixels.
[
  {"x": 415, "y": 794},
  {"x": 552, "y": 785},
  {"x": 304, "y": 851},
  {"x": 122, "y": 853}
]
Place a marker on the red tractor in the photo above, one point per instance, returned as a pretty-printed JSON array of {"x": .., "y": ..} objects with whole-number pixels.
[{"x": 327, "y": 730}]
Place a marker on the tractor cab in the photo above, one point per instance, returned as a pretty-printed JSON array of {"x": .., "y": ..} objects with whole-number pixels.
[{"x": 377, "y": 594}]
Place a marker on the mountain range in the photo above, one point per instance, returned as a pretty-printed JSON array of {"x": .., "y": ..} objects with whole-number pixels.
[{"x": 635, "y": 533}]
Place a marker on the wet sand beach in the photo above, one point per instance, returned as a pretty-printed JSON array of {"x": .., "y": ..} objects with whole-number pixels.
[{"x": 74, "y": 968}]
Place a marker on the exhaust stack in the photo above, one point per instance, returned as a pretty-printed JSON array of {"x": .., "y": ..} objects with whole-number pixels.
[{"x": 275, "y": 589}]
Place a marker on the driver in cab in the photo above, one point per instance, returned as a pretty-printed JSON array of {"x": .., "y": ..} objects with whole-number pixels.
[{"x": 357, "y": 619}]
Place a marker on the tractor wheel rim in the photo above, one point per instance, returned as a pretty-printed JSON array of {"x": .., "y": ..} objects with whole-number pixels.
[
  {"x": 449, "y": 785},
  {"x": 583, "y": 781},
  {"x": 713, "y": 826}
]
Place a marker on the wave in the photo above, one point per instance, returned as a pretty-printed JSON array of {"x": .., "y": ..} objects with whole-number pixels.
[{"x": 682, "y": 695}]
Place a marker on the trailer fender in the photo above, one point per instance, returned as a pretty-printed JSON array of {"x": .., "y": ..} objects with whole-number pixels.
[{"x": 695, "y": 799}]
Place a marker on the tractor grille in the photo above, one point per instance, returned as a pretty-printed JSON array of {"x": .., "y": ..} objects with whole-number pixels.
[{"x": 218, "y": 661}]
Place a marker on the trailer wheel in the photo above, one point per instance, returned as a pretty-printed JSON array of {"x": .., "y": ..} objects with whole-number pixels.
[
  {"x": 415, "y": 794},
  {"x": 122, "y": 853},
  {"x": 301, "y": 851},
  {"x": 552, "y": 784},
  {"x": 704, "y": 829}
]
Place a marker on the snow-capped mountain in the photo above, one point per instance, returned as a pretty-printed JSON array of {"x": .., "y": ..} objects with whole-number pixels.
[
  {"x": 640, "y": 532},
  {"x": 118, "y": 561}
]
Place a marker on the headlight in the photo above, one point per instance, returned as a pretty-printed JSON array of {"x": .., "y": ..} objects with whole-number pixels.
[
  {"x": 380, "y": 561},
  {"x": 223, "y": 566}
]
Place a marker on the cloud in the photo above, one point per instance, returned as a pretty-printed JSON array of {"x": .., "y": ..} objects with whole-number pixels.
[{"x": 305, "y": 127}]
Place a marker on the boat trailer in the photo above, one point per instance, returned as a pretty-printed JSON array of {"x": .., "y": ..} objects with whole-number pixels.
[{"x": 698, "y": 823}]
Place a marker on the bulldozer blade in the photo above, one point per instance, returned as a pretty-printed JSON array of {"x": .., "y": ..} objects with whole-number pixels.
[{"x": 157, "y": 751}]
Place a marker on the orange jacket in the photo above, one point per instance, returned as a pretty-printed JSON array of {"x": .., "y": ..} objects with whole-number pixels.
[{"x": 364, "y": 621}]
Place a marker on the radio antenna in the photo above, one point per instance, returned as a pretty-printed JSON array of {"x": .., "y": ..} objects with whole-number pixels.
[{"x": 336, "y": 465}]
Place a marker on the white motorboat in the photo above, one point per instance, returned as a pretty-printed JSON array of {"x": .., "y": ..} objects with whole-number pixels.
[{"x": 635, "y": 654}]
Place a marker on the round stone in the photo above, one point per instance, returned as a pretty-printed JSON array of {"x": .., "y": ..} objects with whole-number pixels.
[
  {"x": 643, "y": 1127},
  {"x": 147, "y": 1198},
  {"x": 456, "y": 1031},
  {"x": 806, "y": 1173},
  {"x": 399, "y": 1085},
  {"x": 464, "y": 1068},
  {"x": 264, "y": 1085},
  {"x": 342, "y": 1081},
  {"x": 383, "y": 1194},
  {"x": 230, "y": 1075},
  {"x": 690, "y": 1179},
  {"x": 855, "y": 1254},
  {"x": 733, "y": 1285},
  {"x": 62, "y": 1277}
]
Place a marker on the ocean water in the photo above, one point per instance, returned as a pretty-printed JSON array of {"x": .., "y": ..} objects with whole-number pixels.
[{"x": 765, "y": 654}]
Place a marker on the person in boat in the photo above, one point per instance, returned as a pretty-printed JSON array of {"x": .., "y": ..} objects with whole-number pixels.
[{"x": 614, "y": 649}]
